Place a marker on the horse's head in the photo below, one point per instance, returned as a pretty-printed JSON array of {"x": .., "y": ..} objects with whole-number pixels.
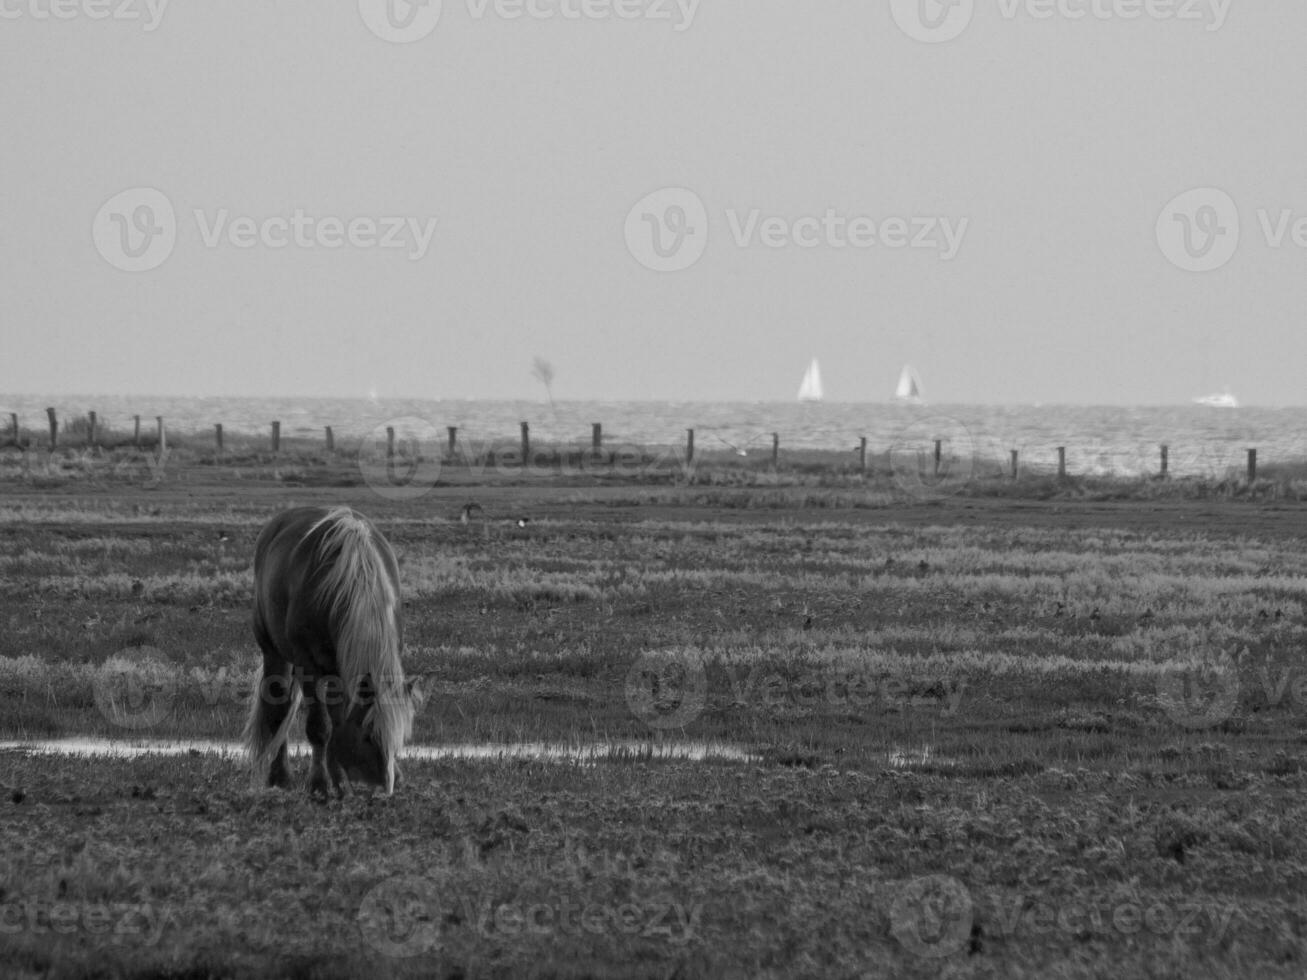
[{"x": 360, "y": 744}]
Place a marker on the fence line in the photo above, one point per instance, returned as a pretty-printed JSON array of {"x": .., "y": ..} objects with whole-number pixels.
[{"x": 95, "y": 433}]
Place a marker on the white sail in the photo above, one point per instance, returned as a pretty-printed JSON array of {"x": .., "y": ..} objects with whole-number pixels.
[
  {"x": 1223, "y": 400},
  {"x": 909, "y": 387},
  {"x": 810, "y": 387}
]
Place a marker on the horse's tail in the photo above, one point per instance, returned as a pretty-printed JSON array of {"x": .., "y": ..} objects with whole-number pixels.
[
  {"x": 363, "y": 599},
  {"x": 262, "y": 746}
]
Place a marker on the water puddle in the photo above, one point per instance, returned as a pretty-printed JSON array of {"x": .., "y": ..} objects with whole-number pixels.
[
  {"x": 902, "y": 758},
  {"x": 899, "y": 757},
  {"x": 542, "y": 751}
]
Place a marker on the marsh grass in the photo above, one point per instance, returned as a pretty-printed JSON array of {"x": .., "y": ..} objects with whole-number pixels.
[
  {"x": 985, "y": 700},
  {"x": 829, "y": 636},
  {"x": 650, "y": 475}
]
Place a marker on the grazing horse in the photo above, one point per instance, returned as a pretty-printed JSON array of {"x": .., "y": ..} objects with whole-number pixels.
[{"x": 326, "y": 615}]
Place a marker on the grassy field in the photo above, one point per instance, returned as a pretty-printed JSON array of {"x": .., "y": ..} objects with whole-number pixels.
[{"x": 1030, "y": 728}]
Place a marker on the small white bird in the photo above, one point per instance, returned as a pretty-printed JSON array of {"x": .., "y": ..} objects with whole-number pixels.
[{"x": 740, "y": 450}]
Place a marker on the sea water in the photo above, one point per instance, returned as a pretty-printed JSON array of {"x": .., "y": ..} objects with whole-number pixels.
[{"x": 1098, "y": 440}]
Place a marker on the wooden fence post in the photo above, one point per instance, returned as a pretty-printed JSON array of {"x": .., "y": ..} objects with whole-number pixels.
[
  {"x": 689, "y": 445},
  {"x": 163, "y": 435},
  {"x": 13, "y": 422},
  {"x": 217, "y": 436},
  {"x": 54, "y": 428},
  {"x": 1165, "y": 461},
  {"x": 1014, "y": 464},
  {"x": 1252, "y": 465},
  {"x": 276, "y": 437},
  {"x": 862, "y": 456},
  {"x": 453, "y": 439},
  {"x": 596, "y": 438},
  {"x": 775, "y": 449},
  {"x": 136, "y": 430},
  {"x": 1061, "y": 462},
  {"x": 526, "y": 443},
  {"x": 331, "y": 441},
  {"x": 390, "y": 442},
  {"x": 939, "y": 454},
  {"x": 91, "y": 426}
]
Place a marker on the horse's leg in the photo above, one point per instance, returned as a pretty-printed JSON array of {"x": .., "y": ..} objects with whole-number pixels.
[
  {"x": 318, "y": 731},
  {"x": 273, "y": 698},
  {"x": 335, "y": 698}
]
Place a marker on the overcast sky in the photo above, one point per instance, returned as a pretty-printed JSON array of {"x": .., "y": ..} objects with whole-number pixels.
[{"x": 667, "y": 200}]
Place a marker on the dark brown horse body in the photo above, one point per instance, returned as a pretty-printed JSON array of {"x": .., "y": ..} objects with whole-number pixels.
[{"x": 327, "y": 618}]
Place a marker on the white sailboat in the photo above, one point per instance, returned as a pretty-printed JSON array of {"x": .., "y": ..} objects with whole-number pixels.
[
  {"x": 909, "y": 387},
  {"x": 1223, "y": 400},
  {"x": 810, "y": 387}
]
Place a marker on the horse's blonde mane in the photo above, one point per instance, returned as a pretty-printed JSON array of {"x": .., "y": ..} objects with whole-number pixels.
[{"x": 362, "y": 598}]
